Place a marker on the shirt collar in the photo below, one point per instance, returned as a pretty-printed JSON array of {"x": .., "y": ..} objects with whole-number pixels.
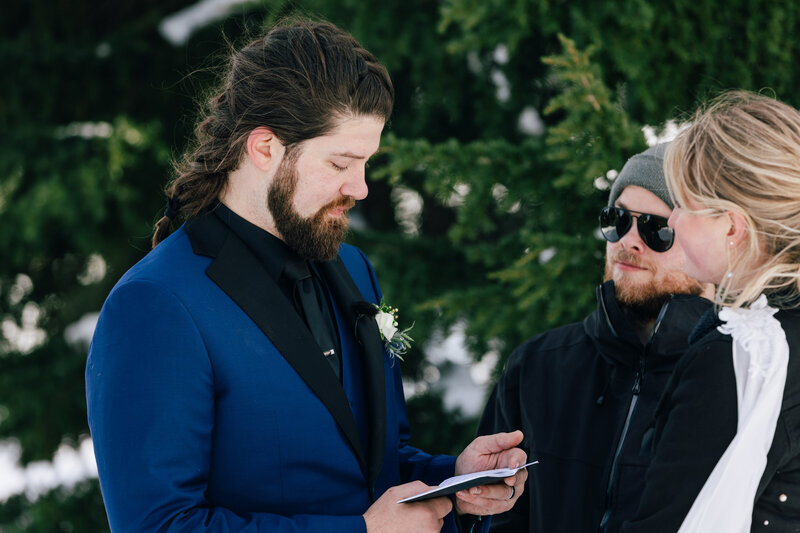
[{"x": 269, "y": 249}]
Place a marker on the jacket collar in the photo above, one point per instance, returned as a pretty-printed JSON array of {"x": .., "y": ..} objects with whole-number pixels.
[
  {"x": 615, "y": 338},
  {"x": 242, "y": 277},
  {"x": 611, "y": 331},
  {"x": 709, "y": 321}
]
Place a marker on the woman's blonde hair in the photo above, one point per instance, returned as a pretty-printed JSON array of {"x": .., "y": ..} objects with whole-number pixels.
[{"x": 741, "y": 153}]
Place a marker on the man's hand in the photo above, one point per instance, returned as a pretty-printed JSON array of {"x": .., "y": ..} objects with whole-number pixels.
[
  {"x": 388, "y": 516},
  {"x": 488, "y": 453}
]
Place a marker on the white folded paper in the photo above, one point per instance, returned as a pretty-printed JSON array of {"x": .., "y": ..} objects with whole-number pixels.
[{"x": 454, "y": 484}]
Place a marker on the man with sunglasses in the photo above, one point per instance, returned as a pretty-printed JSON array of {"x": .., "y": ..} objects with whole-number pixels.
[{"x": 584, "y": 394}]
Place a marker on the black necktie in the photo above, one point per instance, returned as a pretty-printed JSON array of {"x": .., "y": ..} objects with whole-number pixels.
[{"x": 308, "y": 299}]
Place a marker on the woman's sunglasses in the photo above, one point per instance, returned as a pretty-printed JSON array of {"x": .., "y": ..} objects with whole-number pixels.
[{"x": 615, "y": 222}]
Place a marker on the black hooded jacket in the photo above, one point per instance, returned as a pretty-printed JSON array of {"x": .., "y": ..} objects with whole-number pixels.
[
  {"x": 584, "y": 395},
  {"x": 695, "y": 422}
]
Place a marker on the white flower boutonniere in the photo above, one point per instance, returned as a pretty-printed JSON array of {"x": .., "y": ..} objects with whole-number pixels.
[{"x": 396, "y": 341}]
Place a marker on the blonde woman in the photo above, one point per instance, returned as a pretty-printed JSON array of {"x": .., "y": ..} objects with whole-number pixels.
[{"x": 727, "y": 430}]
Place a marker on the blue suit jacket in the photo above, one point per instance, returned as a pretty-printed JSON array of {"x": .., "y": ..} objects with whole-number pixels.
[{"x": 211, "y": 408}]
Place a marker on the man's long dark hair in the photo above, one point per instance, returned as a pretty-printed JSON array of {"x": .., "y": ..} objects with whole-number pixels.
[{"x": 297, "y": 80}]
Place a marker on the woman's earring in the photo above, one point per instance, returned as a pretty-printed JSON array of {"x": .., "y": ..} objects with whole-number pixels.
[{"x": 731, "y": 243}]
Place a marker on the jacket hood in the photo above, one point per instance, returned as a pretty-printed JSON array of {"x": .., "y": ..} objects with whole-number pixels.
[{"x": 615, "y": 338}]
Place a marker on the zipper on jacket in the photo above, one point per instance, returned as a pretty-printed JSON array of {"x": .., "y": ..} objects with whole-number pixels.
[
  {"x": 635, "y": 390},
  {"x": 637, "y": 380},
  {"x": 637, "y": 387}
]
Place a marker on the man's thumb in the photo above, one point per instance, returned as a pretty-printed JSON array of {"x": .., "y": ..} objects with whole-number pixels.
[{"x": 504, "y": 441}]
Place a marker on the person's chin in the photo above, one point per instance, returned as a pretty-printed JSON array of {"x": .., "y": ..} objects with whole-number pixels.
[
  {"x": 634, "y": 283},
  {"x": 702, "y": 276}
]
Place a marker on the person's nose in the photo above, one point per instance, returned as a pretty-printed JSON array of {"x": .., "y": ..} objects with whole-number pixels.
[
  {"x": 632, "y": 241},
  {"x": 355, "y": 185}
]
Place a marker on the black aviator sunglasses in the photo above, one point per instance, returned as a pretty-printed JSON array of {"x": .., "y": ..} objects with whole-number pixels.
[{"x": 615, "y": 222}]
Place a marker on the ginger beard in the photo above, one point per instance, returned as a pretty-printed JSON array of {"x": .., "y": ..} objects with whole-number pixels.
[
  {"x": 646, "y": 297},
  {"x": 315, "y": 238}
]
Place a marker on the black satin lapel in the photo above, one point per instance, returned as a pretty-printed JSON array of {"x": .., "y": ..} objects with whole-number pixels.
[
  {"x": 206, "y": 233},
  {"x": 345, "y": 291},
  {"x": 241, "y": 276}
]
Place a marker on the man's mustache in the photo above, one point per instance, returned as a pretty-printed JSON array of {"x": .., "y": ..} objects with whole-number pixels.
[
  {"x": 631, "y": 259},
  {"x": 345, "y": 202}
]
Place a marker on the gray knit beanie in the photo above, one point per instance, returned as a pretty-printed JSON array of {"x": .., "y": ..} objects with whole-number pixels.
[{"x": 645, "y": 170}]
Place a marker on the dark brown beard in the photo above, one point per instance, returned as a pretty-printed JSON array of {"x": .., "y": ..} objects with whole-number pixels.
[
  {"x": 316, "y": 238},
  {"x": 645, "y": 300}
]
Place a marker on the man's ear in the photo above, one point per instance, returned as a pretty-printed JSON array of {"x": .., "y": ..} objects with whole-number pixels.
[
  {"x": 264, "y": 148},
  {"x": 738, "y": 230}
]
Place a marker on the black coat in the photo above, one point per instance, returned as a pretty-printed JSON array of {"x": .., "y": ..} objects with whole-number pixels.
[
  {"x": 696, "y": 421},
  {"x": 579, "y": 393}
]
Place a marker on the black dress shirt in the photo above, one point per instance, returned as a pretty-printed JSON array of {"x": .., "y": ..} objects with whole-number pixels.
[{"x": 273, "y": 254}]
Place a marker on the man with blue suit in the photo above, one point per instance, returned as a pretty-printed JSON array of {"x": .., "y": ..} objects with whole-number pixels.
[{"x": 237, "y": 379}]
